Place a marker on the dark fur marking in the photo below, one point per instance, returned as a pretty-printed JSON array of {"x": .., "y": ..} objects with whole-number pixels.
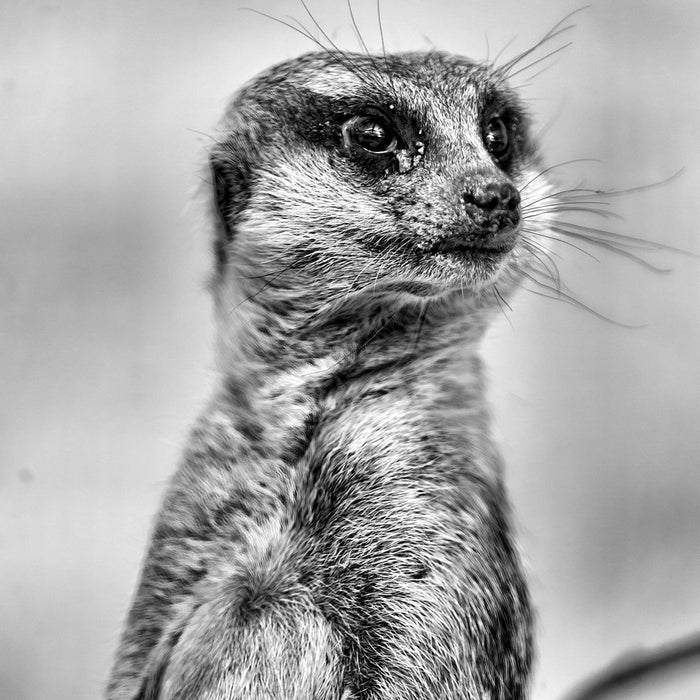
[{"x": 232, "y": 178}]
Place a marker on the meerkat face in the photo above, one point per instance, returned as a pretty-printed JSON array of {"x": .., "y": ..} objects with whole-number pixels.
[{"x": 335, "y": 172}]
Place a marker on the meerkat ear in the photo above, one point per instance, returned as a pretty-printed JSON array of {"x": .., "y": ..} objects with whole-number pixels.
[
  {"x": 219, "y": 182},
  {"x": 230, "y": 190},
  {"x": 223, "y": 230},
  {"x": 232, "y": 166}
]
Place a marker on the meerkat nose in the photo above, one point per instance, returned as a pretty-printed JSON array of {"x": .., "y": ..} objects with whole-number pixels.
[
  {"x": 492, "y": 195},
  {"x": 491, "y": 207}
]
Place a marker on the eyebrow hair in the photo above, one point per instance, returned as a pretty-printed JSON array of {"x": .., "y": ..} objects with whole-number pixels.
[{"x": 331, "y": 86}]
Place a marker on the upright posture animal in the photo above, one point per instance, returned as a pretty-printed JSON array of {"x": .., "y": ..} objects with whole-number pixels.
[{"x": 338, "y": 527}]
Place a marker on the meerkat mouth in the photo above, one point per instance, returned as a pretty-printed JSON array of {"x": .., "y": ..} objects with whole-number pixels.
[
  {"x": 476, "y": 259},
  {"x": 494, "y": 246},
  {"x": 466, "y": 248}
]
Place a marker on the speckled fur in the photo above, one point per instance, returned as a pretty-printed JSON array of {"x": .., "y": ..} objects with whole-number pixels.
[{"x": 338, "y": 527}]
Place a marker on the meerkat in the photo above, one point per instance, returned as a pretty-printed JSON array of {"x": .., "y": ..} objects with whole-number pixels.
[{"x": 339, "y": 526}]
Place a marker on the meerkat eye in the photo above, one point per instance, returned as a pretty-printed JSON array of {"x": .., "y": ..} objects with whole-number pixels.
[
  {"x": 496, "y": 138},
  {"x": 370, "y": 133}
]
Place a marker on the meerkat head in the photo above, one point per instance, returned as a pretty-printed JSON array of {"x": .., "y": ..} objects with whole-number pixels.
[{"x": 335, "y": 173}]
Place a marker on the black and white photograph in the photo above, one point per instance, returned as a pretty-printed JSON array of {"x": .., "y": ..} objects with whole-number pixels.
[{"x": 350, "y": 350}]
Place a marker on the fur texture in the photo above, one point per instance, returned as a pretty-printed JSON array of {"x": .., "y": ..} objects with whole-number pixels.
[{"x": 338, "y": 527}]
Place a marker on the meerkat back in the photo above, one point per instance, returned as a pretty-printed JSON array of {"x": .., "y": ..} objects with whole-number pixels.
[{"x": 338, "y": 526}]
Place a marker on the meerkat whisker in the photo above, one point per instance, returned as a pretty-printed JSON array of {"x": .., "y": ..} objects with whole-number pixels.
[
  {"x": 551, "y": 168},
  {"x": 554, "y": 52},
  {"x": 559, "y": 295},
  {"x": 563, "y": 241},
  {"x": 555, "y": 31},
  {"x": 627, "y": 239},
  {"x": 607, "y": 245}
]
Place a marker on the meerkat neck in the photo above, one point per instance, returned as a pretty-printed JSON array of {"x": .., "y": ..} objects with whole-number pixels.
[{"x": 266, "y": 357}]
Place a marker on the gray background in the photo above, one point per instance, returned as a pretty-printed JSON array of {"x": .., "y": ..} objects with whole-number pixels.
[{"x": 106, "y": 333}]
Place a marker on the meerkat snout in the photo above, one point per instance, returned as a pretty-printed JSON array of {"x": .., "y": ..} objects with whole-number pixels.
[
  {"x": 492, "y": 209},
  {"x": 493, "y": 196}
]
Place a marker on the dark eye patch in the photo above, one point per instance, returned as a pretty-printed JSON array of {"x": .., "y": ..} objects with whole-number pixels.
[
  {"x": 372, "y": 134},
  {"x": 497, "y": 138},
  {"x": 503, "y": 126}
]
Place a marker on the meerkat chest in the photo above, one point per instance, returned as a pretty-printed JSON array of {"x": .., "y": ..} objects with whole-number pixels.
[{"x": 404, "y": 442}]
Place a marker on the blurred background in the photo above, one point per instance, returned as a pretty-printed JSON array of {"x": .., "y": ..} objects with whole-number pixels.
[{"x": 105, "y": 324}]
